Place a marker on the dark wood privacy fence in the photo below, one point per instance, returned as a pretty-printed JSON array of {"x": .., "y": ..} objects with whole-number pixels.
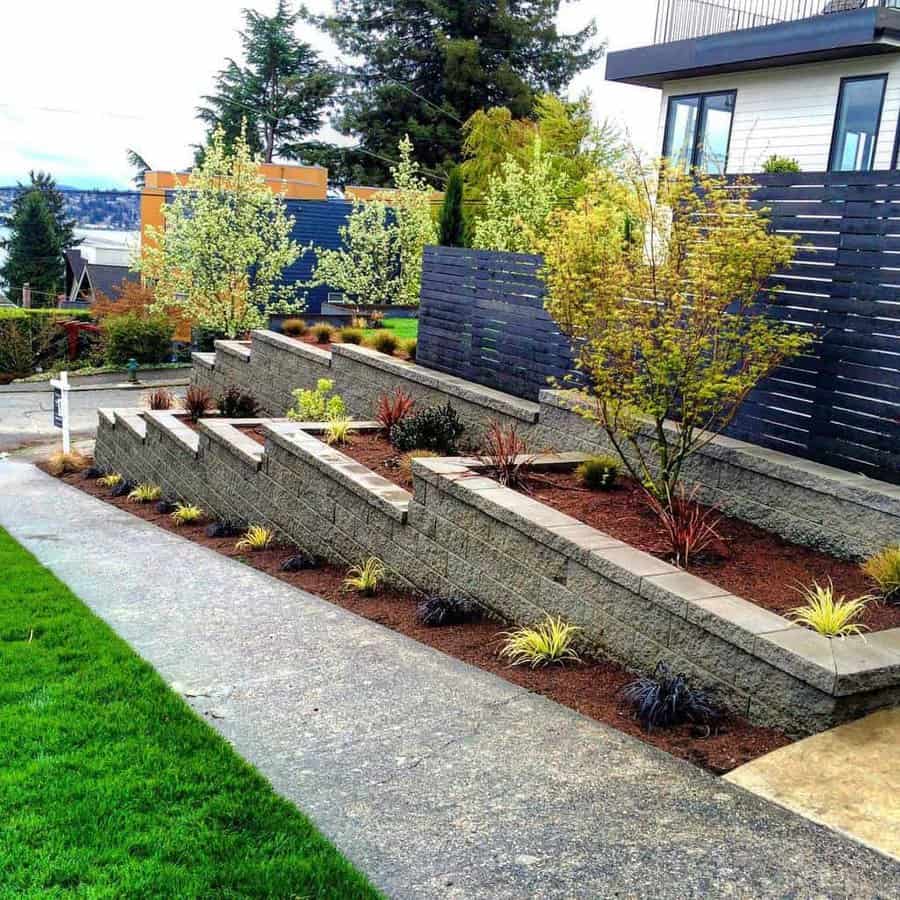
[{"x": 482, "y": 318}]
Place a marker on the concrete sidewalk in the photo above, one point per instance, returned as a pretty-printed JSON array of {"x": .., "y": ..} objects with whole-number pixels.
[{"x": 437, "y": 779}]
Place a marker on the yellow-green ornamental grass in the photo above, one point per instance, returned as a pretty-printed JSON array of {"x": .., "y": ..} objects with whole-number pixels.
[
  {"x": 145, "y": 493},
  {"x": 365, "y": 579},
  {"x": 550, "y": 641},
  {"x": 186, "y": 514},
  {"x": 113, "y": 479},
  {"x": 884, "y": 570},
  {"x": 256, "y": 538},
  {"x": 338, "y": 431},
  {"x": 829, "y": 615}
]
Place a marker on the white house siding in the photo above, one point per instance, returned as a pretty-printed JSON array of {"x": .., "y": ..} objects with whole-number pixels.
[{"x": 790, "y": 110}]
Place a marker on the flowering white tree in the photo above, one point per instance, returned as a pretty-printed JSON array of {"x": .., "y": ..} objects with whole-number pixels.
[
  {"x": 519, "y": 203},
  {"x": 219, "y": 258},
  {"x": 380, "y": 260}
]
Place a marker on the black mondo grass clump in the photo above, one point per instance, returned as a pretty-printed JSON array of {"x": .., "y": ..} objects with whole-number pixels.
[
  {"x": 164, "y": 507},
  {"x": 436, "y": 428},
  {"x": 300, "y": 562},
  {"x": 223, "y": 530},
  {"x": 667, "y": 700},
  {"x": 122, "y": 489},
  {"x": 437, "y": 612},
  {"x": 93, "y": 473}
]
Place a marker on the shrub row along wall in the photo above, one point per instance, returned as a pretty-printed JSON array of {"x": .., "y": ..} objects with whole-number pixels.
[
  {"x": 482, "y": 318},
  {"x": 849, "y": 515},
  {"x": 459, "y": 533}
]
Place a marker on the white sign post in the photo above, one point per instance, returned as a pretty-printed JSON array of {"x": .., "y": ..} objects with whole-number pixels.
[{"x": 61, "y": 407}]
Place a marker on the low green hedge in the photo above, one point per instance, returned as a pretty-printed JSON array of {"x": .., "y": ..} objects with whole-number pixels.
[
  {"x": 130, "y": 336},
  {"x": 9, "y": 312}
]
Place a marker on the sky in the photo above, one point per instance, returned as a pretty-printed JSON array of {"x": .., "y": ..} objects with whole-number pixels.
[{"x": 113, "y": 75}]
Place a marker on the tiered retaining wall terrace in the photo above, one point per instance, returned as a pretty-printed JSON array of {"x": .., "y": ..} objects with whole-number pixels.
[
  {"x": 459, "y": 532},
  {"x": 849, "y": 515}
]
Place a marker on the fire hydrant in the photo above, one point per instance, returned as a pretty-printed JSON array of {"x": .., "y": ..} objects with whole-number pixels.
[{"x": 132, "y": 366}]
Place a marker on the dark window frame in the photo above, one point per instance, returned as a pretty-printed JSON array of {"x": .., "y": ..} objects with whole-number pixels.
[
  {"x": 883, "y": 77},
  {"x": 697, "y": 145}
]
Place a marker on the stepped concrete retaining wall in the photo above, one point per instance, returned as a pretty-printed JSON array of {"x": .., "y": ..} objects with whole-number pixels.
[
  {"x": 849, "y": 515},
  {"x": 459, "y": 532}
]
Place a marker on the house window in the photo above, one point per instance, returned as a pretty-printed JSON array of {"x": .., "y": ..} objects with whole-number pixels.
[
  {"x": 856, "y": 124},
  {"x": 698, "y": 131}
]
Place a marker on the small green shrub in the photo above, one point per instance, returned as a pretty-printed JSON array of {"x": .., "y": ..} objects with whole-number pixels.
[
  {"x": 148, "y": 340},
  {"x": 256, "y": 538},
  {"x": 385, "y": 342},
  {"x": 323, "y": 333},
  {"x": 548, "y": 642},
  {"x": 351, "y": 335},
  {"x": 145, "y": 493},
  {"x": 319, "y": 405},
  {"x": 599, "y": 473},
  {"x": 780, "y": 165},
  {"x": 827, "y": 614},
  {"x": 294, "y": 327},
  {"x": 367, "y": 578},
  {"x": 884, "y": 570},
  {"x": 237, "y": 404},
  {"x": 436, "y": 428}
]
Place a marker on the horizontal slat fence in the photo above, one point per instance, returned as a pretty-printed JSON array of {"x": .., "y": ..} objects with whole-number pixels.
[{"x": 482, "y": 318}]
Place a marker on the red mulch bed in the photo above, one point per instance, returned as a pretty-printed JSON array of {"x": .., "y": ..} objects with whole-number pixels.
[
  {"x": 591, "y": 689},
  {"x": 749, "y": 562}
]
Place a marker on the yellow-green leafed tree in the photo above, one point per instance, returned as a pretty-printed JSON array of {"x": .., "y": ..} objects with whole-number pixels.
[
  {"x": 225, "y": 243},
  {"x": 658, "y": 277}
]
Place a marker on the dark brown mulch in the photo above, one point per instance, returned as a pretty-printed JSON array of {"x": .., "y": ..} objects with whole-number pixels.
[
  {"x": 591, "y": 688},
  {"x": 749, "y": 561}
]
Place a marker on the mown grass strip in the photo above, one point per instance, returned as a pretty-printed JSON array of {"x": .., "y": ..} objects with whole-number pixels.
[{"x": 110, "y": 786}]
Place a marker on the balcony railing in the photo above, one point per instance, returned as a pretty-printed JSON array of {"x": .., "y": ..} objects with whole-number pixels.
[{"x": 678, "y": 20}]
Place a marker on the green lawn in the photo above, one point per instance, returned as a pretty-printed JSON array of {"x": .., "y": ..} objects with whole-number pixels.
[
  {"x": 405, "y": 329},
  {"x": 111, "y": 787}
]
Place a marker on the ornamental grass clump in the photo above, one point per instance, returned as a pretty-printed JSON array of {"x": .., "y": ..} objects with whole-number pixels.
[
  {"x": 827, "y": 614},
  {"x": 323, "y": 333},
  {"x": 657, "y": 276},
  {"x": 406, "y": 462},
  {"x": 294, "y": 327},
  {"x": 365, "y": 579},
  {"x": 884, "y": 570},
  {"x": 160, "y": 399},
  {"x": 598, "y": 473},
  {"x": 690, "y": 529},
  {"x": 111, "y": 480},
  {"x": 351, "y": 336},
  {"x": 187, "y": 514},
  {"x": 384, "y": 342},
  {"x": 256, "y": 539},
  {"x": 667, "y": 700},
  {"x": 198, "y": 402},
  {"x": 145, "y": 493},
  {"x": 62, "y": 463},
  {"x": 550, "y": 641},
  {"x": 338, "y": 431}
]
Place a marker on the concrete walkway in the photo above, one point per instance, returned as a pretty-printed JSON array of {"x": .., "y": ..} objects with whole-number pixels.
[
  {"x": 847, "y": 778},
  {"x": 439, "y": 780}
]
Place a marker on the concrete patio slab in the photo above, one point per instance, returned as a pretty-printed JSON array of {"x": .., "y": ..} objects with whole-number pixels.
[
  {"x": 846, "y": 778},
  {"x": 438, "y": 779}
]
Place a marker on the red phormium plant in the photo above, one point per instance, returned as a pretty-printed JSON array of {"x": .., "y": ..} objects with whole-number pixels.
[
  {"x": 393, "y": 409},
  {"x": 197, "y": 401},
  {"x": 506, "y": 454},
  {"x": 161, "y": 399},
  {"x": 690, "y": 528}
]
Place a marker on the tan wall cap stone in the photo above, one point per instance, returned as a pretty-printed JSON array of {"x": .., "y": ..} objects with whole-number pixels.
[
  {"x": 627, "y": 566},
  {"x": 173, "y": 426},
  {"x": 239, "y": 349},
  {"x": 735, "y": 620},
  {"x": 802, "y": 653},
  {"x": 240, "y": 444},
  {"x": 289, "y": 345},
  {"x": 675, "y": 590},
  {"x": 204, "y": 360},
  {"x": 863, "y": 664}
]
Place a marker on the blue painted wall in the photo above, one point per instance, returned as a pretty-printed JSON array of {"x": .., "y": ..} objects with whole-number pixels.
[{"x": 315, "y": 221}]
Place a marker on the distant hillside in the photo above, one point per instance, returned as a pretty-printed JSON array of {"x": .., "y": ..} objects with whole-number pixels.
[{"x": 113, "y": 210}]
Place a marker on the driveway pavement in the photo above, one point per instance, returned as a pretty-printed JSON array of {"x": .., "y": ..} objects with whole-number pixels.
[
  {"x": 25, "y": 409},
  {"x": 438, "y": 779}
]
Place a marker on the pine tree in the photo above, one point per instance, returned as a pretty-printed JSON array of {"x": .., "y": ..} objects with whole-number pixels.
[
  {"x": 44, "y": 184},
  {"x": 280, "y": 90},
  {"x": 450, "y": 223},
  {"x": 34, "y": 250},
  {"x": 428, "y": 65}
]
